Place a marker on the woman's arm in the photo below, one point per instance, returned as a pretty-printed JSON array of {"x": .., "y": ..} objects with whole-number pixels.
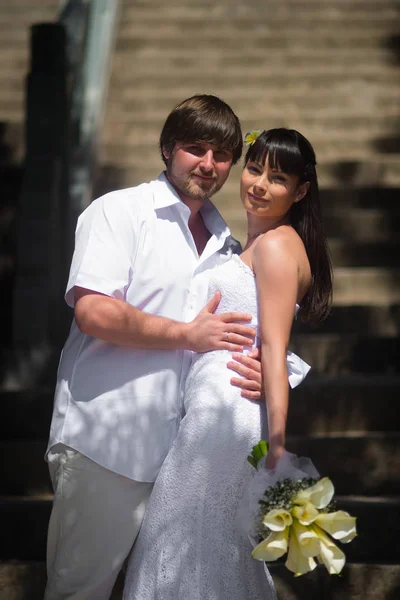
[{"x": 276, "y": 270}]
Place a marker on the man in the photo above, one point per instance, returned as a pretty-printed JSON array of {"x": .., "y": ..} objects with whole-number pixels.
[{"x": 138, "y": 280}]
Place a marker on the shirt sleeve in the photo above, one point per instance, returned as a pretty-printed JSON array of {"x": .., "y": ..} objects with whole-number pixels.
[{"x": 105, "y": 247}]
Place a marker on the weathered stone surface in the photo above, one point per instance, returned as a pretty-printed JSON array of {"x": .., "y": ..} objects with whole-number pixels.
[
  {"x": 339, "y": 354},
  {"x": 26, "y": 581},
  {"x": 357, "y": 582},
  {"x": 322, "y": 405},
  {"x": 357, "y": 463},
  {"x": 325, "y": 405}
]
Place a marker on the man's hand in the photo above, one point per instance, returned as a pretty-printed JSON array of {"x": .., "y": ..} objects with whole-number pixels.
[
  {"x": 249, "y": 367},
  {"x": 219, "y": 332}
]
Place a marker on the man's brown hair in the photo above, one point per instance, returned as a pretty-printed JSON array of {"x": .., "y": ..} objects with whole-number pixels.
[{"x": 203, "y": 118}]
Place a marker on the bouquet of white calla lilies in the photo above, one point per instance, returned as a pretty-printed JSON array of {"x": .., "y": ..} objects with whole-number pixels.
[
  {"x": 318, "y": 495},
  {"x": 290, "y": 511}
]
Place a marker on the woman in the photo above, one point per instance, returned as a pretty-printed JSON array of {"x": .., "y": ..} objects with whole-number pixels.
[{"x": 189, "y": 546}]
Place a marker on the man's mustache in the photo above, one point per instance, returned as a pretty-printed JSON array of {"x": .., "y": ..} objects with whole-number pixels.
[{"x": 200, "y": 174}]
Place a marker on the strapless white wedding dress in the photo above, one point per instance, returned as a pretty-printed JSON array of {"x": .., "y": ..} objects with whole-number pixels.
[{"x": 190, "y": 546}]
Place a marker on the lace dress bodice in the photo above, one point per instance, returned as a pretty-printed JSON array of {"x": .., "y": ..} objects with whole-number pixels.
[{"x": 237, "y": 284}]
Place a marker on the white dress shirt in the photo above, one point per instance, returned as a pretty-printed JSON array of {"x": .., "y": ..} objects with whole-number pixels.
[{"x": 122, "y": 406}]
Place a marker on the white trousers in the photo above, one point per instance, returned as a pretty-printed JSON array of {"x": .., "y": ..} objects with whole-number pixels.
[{"x": 95, "y": 519}]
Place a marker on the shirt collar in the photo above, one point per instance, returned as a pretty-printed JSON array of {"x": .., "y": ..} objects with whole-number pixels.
[
  {"x": 214, "y": 221},
  {"x": 165, "y": 195}
]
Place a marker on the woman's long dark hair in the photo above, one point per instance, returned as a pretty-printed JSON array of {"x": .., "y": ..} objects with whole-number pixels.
[{"x": 290, "y": 152}]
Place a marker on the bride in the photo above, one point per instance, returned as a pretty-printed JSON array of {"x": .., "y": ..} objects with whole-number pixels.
[{"x": 189, "y": 547}]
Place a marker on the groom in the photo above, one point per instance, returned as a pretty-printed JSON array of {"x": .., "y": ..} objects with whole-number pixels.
[{"x": 138, "y": 282}]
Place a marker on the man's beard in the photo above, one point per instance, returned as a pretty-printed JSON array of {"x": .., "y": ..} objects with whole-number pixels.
[{"x": 195, "y": 190}]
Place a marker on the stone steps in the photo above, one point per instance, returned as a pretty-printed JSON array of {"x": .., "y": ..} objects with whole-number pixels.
[
  {"x": 142, "y": 153},
  {"x": 262, "y": 72},
  {"x": 27, "y": 474},
  {"x": 355, "y": 254},
  {"x": 22, "y": 580},
  {"x": 327, "y": 405},
  {"x": 262, "y": 33},
  {"x": 358, "y": 581},
  {"x": 356, "y": 215},
  {"x": 26, "y": 580},
  {"x": 142, "y": 140},
  {"x": 366, "y": 286},
  {"x": 138, "y": 40},
  {"x": 15, "y": 20},
  {"x": 329, "y": 5},
  {"x": 341, "y": 354},
  {"x": 305, "y": 116},
  {"x": 14, "y": 53},
  {"x": 381, "y": 172},
  {"x": 24, "y": 523},
  {"x": 322, "y": 404},
  {"x": 144, "y": 100},
  {"x": 235, "y": 56},
  {"x": 346, "y": 254},
  {"x": 275, "y": 11},
  {"x": 358, "y": 463},
  {"x": 346, "y": 226},
  {"x": 378, "y": 203},
  {"x": 19, "y": 6},
  {"x": 345, "y": 101},
  {"x": 24, "y": 526},
  {"x": 349, "y": 253},
  {"x": 330, "y": 137},
  {"x": 199, "y": 18},
  {"x": 371, "y": 321},
  {"x": 362, "y": 581},
  {"x": 16, "y": 17}
]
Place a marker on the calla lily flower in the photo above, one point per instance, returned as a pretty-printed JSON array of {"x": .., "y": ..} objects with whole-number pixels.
[
  {"x": 340, "y": 525},
  {"x": 272, "y": 548},
  {"x": 330, "y": 555},
  {"x": 307, "y": 539},
  {"x": 305, "y": 513},
  {"x": 319, "y": 494},
  {"x": 277, "y": 519},
  {"x": 296, "y": 561}
]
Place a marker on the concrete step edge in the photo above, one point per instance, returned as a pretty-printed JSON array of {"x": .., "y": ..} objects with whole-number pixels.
[
  {"x": 145, "y": 93},
  {"x": 304, "y": 12},
  {"x": 369, "y": 30},
  {"x": 139, "y": 136},
  {"x": 144, "y": 118},
  {"x": 333, "y": 69},
  {"x": 337, "y": 436},
  {"x": 25, "y": 580},
  {"x": 47, "y": 499}
]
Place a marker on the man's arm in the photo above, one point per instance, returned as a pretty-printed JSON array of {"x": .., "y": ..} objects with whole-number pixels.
[{"x": 118, "y": 322}]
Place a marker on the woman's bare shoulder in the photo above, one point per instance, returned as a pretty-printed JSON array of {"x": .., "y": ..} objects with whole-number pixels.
[{"x": 283, "y": 240}]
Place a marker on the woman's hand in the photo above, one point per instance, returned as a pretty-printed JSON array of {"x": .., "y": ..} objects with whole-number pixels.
[{"x": 273, "y": 456}]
